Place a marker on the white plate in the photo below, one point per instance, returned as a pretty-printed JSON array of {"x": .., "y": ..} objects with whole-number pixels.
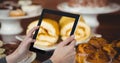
[
  {"x": 21, "y": 17},
  {"x": 89, "y": 10},
  {"x": 21, "y": 37},
  {"x": 32, "y": 11}
]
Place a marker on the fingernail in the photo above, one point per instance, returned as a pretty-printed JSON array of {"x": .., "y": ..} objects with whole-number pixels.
[{"x": 73, "y": 36}]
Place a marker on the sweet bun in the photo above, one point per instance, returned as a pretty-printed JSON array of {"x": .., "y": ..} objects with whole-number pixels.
[{"x": 17, "y": 13}]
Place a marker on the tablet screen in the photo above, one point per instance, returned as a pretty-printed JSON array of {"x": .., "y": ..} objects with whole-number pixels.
[{"x": 55, "y": 26}]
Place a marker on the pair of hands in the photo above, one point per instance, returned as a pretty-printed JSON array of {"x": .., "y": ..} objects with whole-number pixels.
[{"x": 64, "y": 53}]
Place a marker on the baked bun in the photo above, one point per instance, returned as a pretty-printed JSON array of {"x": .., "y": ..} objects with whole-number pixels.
[{"x": 17, "y": 13}]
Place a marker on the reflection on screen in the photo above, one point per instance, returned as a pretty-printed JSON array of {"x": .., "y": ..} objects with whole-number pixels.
[{"x": 53, "y": 29}]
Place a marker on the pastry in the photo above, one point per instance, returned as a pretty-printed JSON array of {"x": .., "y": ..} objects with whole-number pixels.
[
  {"x": 116, "y": 43},
  {"x": 110, "y": 50},
  {"x": 81, "y": 33},
  {"x": 83, "y": 50},
  {"x": 98, "y": 42},
  {"x": 86, "y": 48},
  {"x": 16, "y": 13},
  {"x": 98, "y": 57},
  {"x": 48, "y": 33}
]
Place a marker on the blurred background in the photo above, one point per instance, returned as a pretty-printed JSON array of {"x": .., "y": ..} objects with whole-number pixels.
[{"x": 109, "y": 26}]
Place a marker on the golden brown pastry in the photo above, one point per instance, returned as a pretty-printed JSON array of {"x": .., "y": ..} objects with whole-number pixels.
[
  {"x": 86, "y": 48},
  {"x": 98, "y": 50},
  {"x": 17, "y": 13},
  {"x": 82, "y": 51},
  {"x": 116, "y": 43},
  {"x": 98, "y": 42},
  {"x": 110, "y": 50},
  {"x": 98, "y": 57},
  {"x": 80, "y": 58}
]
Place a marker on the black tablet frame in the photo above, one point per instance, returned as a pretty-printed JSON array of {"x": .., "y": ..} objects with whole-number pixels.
[{"x": 56, "y": 13}]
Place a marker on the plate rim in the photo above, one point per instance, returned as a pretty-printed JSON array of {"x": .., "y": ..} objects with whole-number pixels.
[{"x": 83, "y": 10}]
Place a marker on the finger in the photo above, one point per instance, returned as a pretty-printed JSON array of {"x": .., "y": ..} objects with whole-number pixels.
[
  {"x": 28, "y": 42},
  {"x": 67, "y": 41},
  {"x": 31, "y": 31},
  {"x": 73, "y": 43}
]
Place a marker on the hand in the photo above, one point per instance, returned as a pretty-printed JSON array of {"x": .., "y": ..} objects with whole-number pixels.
[
  {"x": 23, "y": 48},
  {"x": 65, "y": 52}
]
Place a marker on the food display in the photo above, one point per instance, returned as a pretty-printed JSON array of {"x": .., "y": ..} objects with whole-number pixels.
[
  {"x": 82, "y": 31},
  {"x": 87, "y": 3},
  {"x": 98, "y": 50}
]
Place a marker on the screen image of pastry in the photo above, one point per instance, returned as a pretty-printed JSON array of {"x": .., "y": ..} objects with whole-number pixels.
[{"x": 55, "y": 28}]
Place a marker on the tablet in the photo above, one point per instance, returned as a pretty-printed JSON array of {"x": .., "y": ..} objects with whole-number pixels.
[{"x": 51, "y": 23}]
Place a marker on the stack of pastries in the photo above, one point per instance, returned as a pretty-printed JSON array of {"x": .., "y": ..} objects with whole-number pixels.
[{"x": 98, "y": 50}]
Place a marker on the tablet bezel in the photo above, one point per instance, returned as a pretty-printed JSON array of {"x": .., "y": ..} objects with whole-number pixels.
[{"x": 56, "y": 13}]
